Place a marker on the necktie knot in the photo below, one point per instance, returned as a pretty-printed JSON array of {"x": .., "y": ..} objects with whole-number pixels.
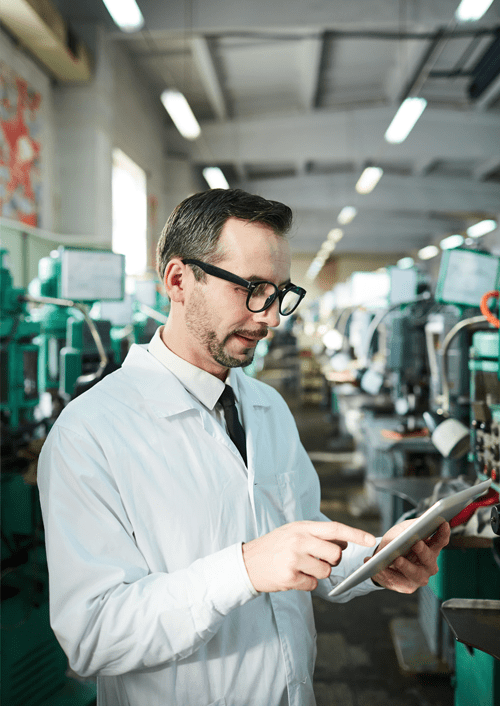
[{"x": 227, "y": 398}]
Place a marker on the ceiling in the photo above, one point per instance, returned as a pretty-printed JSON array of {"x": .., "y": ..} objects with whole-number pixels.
[{"x": 294, "y": 99}]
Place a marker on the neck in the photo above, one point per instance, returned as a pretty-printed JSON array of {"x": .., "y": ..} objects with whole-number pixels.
[{"x": 174, "y": 338}]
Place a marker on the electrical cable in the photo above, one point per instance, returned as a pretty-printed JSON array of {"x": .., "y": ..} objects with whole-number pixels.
[
  {"x": 490, "y": 318},
  {"x": 104, "y": 360}
]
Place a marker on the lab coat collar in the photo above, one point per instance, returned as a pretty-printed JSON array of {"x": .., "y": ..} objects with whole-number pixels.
[{"x": 166, "y": 394}]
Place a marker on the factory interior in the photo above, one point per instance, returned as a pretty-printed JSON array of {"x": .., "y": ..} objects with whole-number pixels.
[{"x": 378, "y": 123}]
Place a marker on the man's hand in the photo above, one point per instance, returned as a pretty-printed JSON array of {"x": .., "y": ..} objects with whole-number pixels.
[
  {"x": 409, "y": 572},
  {"x": 296, "y": 555}
]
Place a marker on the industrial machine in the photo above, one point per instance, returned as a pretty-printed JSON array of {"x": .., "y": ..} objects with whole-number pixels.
[
  {"x": 75, "y": 349},
  {"x": 33, "y": 664},
  {"x": 469, "y": 569}
]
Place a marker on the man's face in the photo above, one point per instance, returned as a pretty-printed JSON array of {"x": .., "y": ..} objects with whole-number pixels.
[{"x": 222, "y": 330}]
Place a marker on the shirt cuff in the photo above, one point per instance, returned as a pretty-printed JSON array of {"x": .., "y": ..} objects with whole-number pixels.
[
  {"x": 228, "y": 580},
  {"x": 244, "y": 572}
]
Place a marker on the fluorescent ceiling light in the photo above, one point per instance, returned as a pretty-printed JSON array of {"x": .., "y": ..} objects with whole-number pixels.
[
  {"x": 215, "y": 178},
  {"x": 471, "y": 10},
  {"x": 125, "y": 14},
  {"x": 406, "y": 263},
  {"x": 346, "y": 215},
  {"x": 178, "y": 108},
  {"x": 402, "y": 123},
  {"x": 335, "y": 235},
  {"x": 368, "y": 180},
  {"x": 428, "y": 252},
  {"x": 481, "y": 228},
  {"x": 452, "y": 241}
]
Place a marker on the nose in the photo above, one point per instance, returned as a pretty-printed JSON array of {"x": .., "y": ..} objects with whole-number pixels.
[{"x": 270, "y": 317}]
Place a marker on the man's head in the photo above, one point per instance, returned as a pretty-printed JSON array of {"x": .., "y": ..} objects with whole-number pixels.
[
  {"x": 194, "y": 228},
  {"x": 220, "y": 311}
]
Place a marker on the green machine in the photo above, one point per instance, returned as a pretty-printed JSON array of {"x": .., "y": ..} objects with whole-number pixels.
[
  {"x": 469, "y": 577},
  {"x": 33, "y": 665},
  {"x": 19, "y": 392},
  {"x": 72, "y": 344},
  {"x": 477, "y": 663}
]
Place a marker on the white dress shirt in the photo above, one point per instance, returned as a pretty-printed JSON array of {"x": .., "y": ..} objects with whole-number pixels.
[{"x": 146, "y": 502}]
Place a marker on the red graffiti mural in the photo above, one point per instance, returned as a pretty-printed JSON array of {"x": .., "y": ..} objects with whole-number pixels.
[{"x": 20, "y": 183}]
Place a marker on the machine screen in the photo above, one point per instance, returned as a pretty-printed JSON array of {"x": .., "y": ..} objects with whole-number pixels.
[
  {"x": 369, "y": 289},
  {"x": 403, "y": 285},
  {"x": 92, "y": 275},
  {"x": 465, "y": 276}
]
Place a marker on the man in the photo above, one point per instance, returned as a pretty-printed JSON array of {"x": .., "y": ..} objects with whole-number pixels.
[{"x": 173, "y": 547}]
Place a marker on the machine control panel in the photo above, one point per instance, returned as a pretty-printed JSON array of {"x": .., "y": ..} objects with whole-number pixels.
[{"x": 486, "y": 434}]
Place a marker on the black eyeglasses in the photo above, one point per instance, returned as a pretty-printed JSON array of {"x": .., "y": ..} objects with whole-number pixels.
[{"x": 261, "y": 294}]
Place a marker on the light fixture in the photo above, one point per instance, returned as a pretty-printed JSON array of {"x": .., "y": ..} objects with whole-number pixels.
[
  {"x": 125, "y": 14},
  {"x": 451, "y": 242},
  {"x": 215, "y": 178},
  {"x": 481, "y": 228},
  {"x": 405, "y": 263},
  {"x": 368, "y": 180},
  {"x": 402, "y": 123},
  {"x": 178, "y": 108},
  {"x": 346, "y": 215},
  {"x": 335, "y": 235},
  {"x": 428, "y": 252},
  {"x": 471, "y": 10}
]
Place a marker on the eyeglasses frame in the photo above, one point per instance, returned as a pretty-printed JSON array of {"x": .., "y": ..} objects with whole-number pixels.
[{"x": 250, "y": 286}]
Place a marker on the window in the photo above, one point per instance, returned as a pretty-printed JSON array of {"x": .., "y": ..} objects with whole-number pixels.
[{"x": 129, "y": 195}]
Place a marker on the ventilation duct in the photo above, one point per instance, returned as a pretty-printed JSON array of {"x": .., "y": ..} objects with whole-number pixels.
[{"x": 40, "y": 28}]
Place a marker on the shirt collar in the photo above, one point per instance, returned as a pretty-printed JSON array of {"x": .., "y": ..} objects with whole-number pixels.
[{"x": 205, "y": 387}]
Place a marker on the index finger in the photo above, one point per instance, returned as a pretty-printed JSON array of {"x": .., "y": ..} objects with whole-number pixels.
[{"x": 336, "y": 531}]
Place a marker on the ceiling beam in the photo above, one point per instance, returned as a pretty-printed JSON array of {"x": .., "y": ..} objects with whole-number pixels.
[
  {"x": 489, "y": 96},
  {"x": 310, "y": 67},
  {"x": 324, "y": 135},
  {"x": 208, "y": 76},
  {"x": 280, "y": 15},
  {"x": 429, "y": 195},
  {"x": 484, "y": 168}
]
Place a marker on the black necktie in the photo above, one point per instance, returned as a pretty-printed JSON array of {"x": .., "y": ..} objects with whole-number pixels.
[{"x": 236, "y": 431}]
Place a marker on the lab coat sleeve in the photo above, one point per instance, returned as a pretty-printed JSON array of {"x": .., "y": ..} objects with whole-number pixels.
[{"x": 110, "y": 614}]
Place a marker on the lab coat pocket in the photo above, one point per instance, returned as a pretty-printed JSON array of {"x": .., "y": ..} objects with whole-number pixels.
[
  {"x": 289, "y": 496},
  {"x": 219, "y": 702}
]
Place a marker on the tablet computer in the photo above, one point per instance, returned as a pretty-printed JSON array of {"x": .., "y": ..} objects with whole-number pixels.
[{"x": 424, "y": 526}]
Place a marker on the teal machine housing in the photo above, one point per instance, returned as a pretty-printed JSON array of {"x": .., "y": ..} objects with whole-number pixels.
[
  {"x": 69, "y": 280},
  {"x": 48, "y": 349},
  {"x": 477, "y": 673},
  {"x": 33, "y": 665},
  {"x": 473, "y": 573}
]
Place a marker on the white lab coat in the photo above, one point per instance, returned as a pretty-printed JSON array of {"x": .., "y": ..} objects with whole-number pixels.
[{"x": 146, "y": 502}]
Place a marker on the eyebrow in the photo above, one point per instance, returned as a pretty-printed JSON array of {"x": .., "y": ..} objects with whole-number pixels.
[{"x": 254, "y": 278}]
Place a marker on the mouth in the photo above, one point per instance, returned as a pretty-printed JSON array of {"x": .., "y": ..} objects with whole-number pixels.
[{"x": 249, "y": 341}]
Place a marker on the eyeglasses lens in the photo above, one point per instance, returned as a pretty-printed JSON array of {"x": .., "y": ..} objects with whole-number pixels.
[
  {"x": 264, "y": 295},
  {"x": 289, "y": 302}
]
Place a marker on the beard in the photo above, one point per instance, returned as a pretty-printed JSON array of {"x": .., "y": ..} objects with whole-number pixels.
[{"x": 199, "y": 324}]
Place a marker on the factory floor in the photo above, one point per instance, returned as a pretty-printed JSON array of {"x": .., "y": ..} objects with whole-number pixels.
[{"x": 356, "y": 663}]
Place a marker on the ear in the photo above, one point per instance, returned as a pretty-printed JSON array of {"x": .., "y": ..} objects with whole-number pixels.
[{"x": 175, "y": 279}]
